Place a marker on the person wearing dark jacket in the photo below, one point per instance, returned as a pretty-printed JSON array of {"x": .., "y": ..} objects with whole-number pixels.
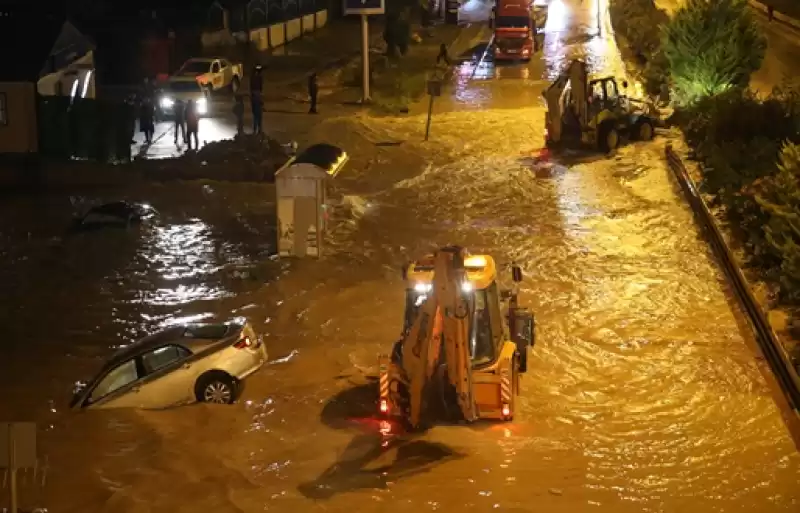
[
  {"x": 192, "y": 125},
  {"x": 313, "y": 89},
  {"x": 146, "y": 120},
  {"x": 238, "y": 111},
  {"x": 180, "y": 120},
  {"x": 256, "y": 86},
  {"x": 443, "y": 55}
]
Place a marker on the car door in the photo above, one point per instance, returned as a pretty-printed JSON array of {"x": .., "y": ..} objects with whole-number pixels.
[
  {"x": 216, "y": 74},
  {"x": 167, "y": 377},
  {"x": 119, "y": 388},
  {"x": 227, "y": 71}
]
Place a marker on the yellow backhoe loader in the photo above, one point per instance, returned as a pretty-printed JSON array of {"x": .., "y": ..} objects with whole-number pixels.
[
  {"x": 456, "y": 351},
  {"x": 593, "y": 112}
]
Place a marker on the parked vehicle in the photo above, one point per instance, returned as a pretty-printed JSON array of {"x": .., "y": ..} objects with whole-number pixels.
[
  {"x": 213, "y": 74},
  {"x": 513, "y": 30},
  {"x": 183, "y": 89},
  {"x": 117, "y": 213},
  {"x": 178, "y": 365}
]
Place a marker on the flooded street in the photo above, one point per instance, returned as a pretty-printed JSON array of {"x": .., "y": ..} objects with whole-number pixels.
[{"x": 642, "y": 393}]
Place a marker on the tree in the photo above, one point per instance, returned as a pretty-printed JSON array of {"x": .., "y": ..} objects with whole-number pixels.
[
  {"x": 711, "y": 46},
  {"x": 779, "y": 198}
]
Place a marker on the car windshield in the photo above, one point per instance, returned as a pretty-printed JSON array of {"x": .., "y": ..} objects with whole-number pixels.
[
  {"x": 513, "y": 21},
  {"x": 184, "y": 87},
  {"x": 207, "y": 331},
  {"x": 195, "y": 67}
]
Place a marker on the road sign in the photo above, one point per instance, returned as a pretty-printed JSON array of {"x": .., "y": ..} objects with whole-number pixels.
[{"x": 364, "y": 6}]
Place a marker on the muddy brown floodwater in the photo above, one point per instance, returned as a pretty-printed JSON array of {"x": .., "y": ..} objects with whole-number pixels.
[{"x": 642, "y": 394}]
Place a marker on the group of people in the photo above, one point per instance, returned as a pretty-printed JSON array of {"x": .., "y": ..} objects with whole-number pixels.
[
  {"x": 187, "y": 122},
  {"x": 187, "y": 119}
]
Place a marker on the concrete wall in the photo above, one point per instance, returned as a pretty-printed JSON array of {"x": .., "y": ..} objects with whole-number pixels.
[
  {"x": 18, "y": 134},
  {"x": 272, "y": 36}
]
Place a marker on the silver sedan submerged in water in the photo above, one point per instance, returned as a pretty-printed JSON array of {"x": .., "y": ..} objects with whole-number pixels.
[{"x": 177, "y": 365}]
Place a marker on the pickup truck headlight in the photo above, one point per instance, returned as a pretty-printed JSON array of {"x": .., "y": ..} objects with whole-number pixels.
[{"x": 167, "y": 103}]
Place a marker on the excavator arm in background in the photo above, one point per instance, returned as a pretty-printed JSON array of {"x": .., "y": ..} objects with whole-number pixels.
[
  {"x": 575, "y": 77},
  {"x": 443, "y": 323}
]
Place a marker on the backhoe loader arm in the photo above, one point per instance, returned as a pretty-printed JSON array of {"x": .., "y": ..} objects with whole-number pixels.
[
  {"x": 444, "y": 319},
  {"x": 575, "y": 76}
]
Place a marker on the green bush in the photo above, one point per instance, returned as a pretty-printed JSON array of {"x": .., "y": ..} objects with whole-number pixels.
[
  {"x": 711, "y": 46},
  {"x": 778, "y": 197},
  {"x": 751, "y": 163}
]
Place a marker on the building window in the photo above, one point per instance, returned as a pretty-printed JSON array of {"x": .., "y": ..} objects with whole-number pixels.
[{"x": 3, "y": 109}]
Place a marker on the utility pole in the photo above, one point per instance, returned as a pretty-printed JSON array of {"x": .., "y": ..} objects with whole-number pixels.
[
  {"x": 599, "y": 21},
  {"x": 364, "y": 8},
  {"x": 365, "y": 57}
]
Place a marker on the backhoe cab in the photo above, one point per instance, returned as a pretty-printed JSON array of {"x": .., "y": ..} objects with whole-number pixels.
[
  {"x": 456, "y": 350},
  {"x": 593, "y": 112}
]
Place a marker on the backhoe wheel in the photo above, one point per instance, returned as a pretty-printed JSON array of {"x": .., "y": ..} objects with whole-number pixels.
[
  {"x": 608, "y": 137},
  {"x": 522, "y": 355},
  {"x": 644, "y": 130}
]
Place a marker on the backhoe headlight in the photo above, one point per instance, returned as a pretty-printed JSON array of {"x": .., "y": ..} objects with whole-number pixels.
[
  {"x": 167, "y": 103},
  {"x": 467, "y": 287},
  {"x": 202, "y": 106},
  {"x": 423, "y": 287}
]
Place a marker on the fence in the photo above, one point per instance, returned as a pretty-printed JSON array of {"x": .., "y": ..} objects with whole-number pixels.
[
  {"x": 266, "y": 23},
  {"x": 84, "y": 128},
  {"x": 771, "y": 347}
]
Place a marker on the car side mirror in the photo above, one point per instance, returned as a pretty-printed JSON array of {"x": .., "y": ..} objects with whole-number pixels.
[{"x": 516, "y": 273}]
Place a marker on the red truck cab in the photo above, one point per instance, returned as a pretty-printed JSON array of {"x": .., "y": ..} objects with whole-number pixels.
[{"x": 513, "y": 30}]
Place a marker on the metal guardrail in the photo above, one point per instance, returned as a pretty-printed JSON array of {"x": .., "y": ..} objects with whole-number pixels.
[{"x": 771, "y": 347}]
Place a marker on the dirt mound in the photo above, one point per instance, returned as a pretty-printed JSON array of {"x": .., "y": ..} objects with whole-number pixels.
[{"x": 246, "y": 158}]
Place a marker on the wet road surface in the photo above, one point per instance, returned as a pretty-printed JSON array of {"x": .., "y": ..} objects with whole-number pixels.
[
  {"x": 642, "y": 393},
  {"x": 782, "y": 58}
]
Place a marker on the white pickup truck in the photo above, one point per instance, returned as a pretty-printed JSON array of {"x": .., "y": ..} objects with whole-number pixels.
[{"x": 213, "y": 74}]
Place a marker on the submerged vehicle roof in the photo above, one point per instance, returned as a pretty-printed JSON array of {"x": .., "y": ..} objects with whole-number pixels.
[{"x": 186, "y": 333}]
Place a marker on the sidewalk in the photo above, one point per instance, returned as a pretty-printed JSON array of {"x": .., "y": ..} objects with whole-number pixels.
[
  {"x": 286, "y": 70},
  {"x": 288, "y": 67}
]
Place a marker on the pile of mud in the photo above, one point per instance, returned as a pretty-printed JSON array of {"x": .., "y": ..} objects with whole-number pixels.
[{"x": 248, "y": 158}]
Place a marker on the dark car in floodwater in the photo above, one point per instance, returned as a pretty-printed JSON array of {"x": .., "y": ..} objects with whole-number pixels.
[
  {"x": 180, "y": 364},
  {"x": 117, "y": 213}
]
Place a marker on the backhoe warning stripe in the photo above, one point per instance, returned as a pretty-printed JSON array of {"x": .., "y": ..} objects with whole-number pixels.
[
  {"x": 505, "y": 386},
  {"x": 384, "y": 385}
]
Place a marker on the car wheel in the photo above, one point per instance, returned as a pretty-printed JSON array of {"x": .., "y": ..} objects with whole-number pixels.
[{"x": 217, "y": 389}]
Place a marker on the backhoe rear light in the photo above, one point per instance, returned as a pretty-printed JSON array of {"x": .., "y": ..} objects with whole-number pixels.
[
  {"x": 243, "y": 343},
  {"x": 384, "y": 406},
  {"x": 506, "y": 410}
]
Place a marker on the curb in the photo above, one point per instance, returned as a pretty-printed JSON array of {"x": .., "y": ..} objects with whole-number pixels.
[
  {"x": 771, "y": 347},
  {"x": 783, "y": 18}
]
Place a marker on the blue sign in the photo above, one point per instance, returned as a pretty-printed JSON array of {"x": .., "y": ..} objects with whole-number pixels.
[{"x": 364, "y": 6}]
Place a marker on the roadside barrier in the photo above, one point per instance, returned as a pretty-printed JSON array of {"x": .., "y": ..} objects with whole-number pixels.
[{"x": 771, "y": 347}]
